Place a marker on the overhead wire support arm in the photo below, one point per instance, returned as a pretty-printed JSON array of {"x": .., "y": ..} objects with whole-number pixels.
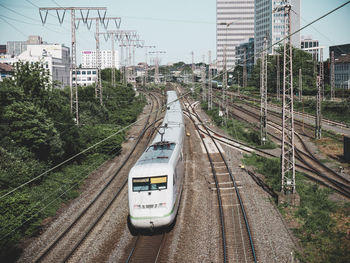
[
  {"x": 74, "y": 101},
  {"x": 98, "y": 86}
]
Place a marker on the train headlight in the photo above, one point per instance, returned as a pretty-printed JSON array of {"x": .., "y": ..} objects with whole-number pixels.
[
  {"x": 162, "y": 205},
  {"x": 137, "y": 206}
]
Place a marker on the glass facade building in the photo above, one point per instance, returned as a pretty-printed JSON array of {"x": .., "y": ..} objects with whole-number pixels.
[
  {"x": 270, "y": 24},
  {"x": 241, "y": 14}
]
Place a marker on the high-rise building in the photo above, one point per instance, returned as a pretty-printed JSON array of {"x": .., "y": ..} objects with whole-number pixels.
[
  {"x": 270, "y": 24},
  {"x": 234, "y": 23},
  {"x": 88, "y": 59}
]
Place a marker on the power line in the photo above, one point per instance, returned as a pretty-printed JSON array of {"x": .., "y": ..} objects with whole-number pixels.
[
  {"x": 295, "y": 32},
  {"x": 13, "y": 27}
]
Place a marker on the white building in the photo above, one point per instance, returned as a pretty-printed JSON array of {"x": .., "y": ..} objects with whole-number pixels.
[
  {"x": 85, "y": 76},
  {"x": 306, "y": 43},
  {"x": 88, "y": 59},
  {"x": 270, "y": 24},
  {"x": 54, "y": 57},
  {"x": 241, "y": 15}
]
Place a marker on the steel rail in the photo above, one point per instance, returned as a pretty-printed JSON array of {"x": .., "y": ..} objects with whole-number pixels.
[{"x": 83, "y": 212}]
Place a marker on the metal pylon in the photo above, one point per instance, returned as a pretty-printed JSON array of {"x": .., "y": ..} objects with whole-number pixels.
[
  {"x": 332, "y": 76},
  {"x": 203, "y": 79},
  {"x": 278, "y": 77},
  {"x": 287, "y": 148},
  {"x": 322, "y": 72},
  {"x": 318, "y": 118},
  {"x": 263, "y": 94},
  {"x": 245, "y": 75},
  {"x": 300, "y": 85},
  {"x": 74, "y": 102},
  {"x": 210, "y": 84},
  {"x": 224, "y": 85}
]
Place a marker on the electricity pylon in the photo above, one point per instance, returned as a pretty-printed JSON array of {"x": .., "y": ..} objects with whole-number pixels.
[
  {"x": 263, "y": 94},
  {"x": 74, "y": 101},
  {"x": 117, "y": 20},
  {"x": 287, "y": 147},
  {"x": 210, "y": 84},
  {"x": 332, "y": 76}
]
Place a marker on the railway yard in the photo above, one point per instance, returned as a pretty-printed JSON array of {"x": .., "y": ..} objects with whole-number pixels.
[{"x": 227, "y": 212}]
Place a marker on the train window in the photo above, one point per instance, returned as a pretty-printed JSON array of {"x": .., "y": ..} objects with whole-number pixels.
[
  {"x": 140, "y": 184},
  {"x": 149, "y": 183}
]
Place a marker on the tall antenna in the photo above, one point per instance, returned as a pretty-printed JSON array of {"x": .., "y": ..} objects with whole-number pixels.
[
  {"x": 74, "y": 101},
  {"x": 263, "y": 94},
  {"x": 332, "y": 76}
]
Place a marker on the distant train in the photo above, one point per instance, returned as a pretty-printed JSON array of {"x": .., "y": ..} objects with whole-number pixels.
[
  {"x": 216, "y": 84},
  {"x": 155, "y": 181}
]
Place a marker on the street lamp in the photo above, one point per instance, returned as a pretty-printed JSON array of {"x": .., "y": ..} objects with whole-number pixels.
[{"x": 224, "y": 76}]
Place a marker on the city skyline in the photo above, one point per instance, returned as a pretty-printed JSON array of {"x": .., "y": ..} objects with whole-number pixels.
[{"x": 169, "y": 26}]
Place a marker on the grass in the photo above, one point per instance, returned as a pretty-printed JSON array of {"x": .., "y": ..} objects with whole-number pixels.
[
  {"x": 238, "y": 130},
  {"x": 320, "y": 224}
]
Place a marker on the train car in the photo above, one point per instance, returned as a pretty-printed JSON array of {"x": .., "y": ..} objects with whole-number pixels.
[{"x": 155, "y": 181}]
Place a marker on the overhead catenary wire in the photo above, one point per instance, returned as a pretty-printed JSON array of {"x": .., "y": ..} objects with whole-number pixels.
[
  {"x": 52, "y": 201},
  {"x": 185, "y": 94},
  {"x": 290, "y": 35},
  {"x": 80, "y": 153}
]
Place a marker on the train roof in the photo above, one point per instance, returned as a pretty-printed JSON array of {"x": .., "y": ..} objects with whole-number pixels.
[{"x": 169, "y": 136}]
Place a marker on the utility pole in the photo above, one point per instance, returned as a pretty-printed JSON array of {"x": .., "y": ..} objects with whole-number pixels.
[
  {"x": 319, "y": 85},
  {"x": 318, "y": 118},
  {"x": 245, "y": 75},
  {"x": 278, "y": 78},
  {"x": 300, "y": 85},
  {"x": 156, "y": 60},
  {"x": 263, "y": 94},
  {"x": 203, "y": 79},
  {"x": 74, "y": 101},
  {"x": 210, "y": 86},
  {"x": 332, "y": 76},
  {"x": 287, "y": 147},
  {"x": 322, "y": 72},
  {"x": 192, "y": 67},
  {"x": 146, "y": 63}
]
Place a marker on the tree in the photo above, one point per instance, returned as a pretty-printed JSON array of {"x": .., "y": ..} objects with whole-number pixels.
[
  {"x": 29, "y": 126},
  {"x": 33, "y": 79}
]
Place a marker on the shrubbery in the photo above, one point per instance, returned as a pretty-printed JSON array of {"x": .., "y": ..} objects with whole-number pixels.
[
  {"x": 323, "y": 238},
  {"x": 38, "y": 131}
]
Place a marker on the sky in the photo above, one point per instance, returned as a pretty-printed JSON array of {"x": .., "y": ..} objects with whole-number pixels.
[{"x": 176, "y": 27}]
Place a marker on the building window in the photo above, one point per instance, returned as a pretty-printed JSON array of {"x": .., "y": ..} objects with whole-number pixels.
[
  {"x": 89, "y": 72},
  {"x": 83, "y": 72}
]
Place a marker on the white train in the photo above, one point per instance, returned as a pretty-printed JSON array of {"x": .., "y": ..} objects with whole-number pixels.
[{"x": 155, "y": 181}]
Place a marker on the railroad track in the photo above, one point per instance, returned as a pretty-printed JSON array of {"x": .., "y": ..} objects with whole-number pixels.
[
  {"x": 147, "y": 248},
  {"x": 309, "y": 163},
  {"x": 237, "y": 241},
  {"x": 329, "y": 122},
  {"x": 66, "y": 243}
]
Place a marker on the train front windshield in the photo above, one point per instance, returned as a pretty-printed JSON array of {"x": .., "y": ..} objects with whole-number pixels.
[{"x": 149, "y": 183}]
